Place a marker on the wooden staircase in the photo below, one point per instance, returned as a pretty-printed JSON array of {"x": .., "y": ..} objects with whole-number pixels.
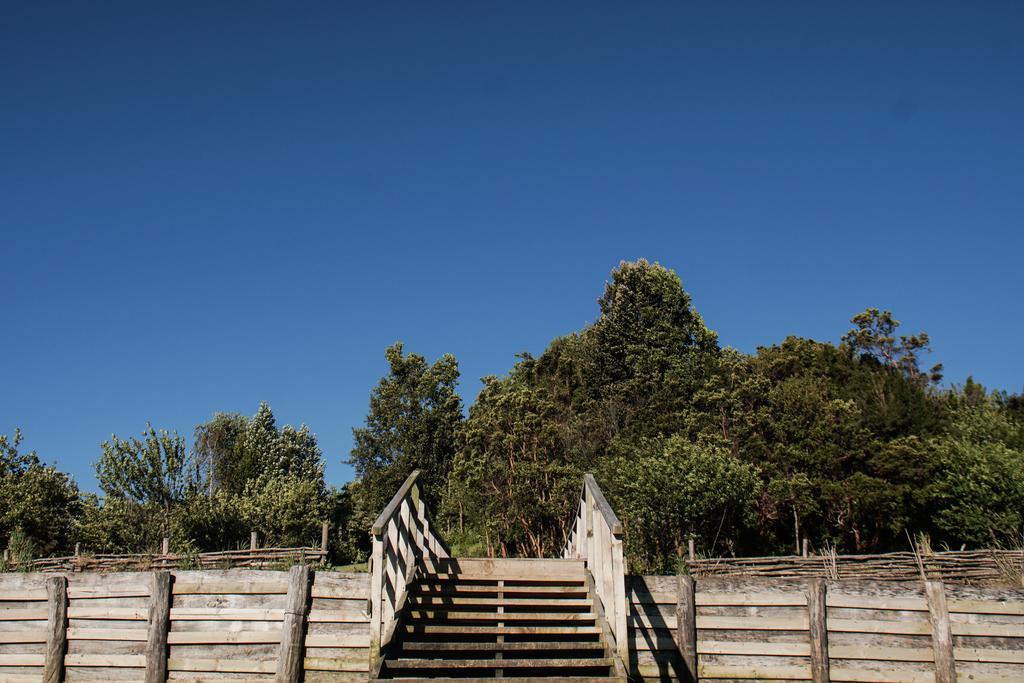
[
  {"x": 467, "y": 619},
  {"x": 436, "y": 617}
]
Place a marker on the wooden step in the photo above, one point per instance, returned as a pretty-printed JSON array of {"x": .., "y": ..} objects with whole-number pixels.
[
  {"x": 452, "y": 615},
  {"x": 426, "y": 586},
  {"x": 441, "y": 601},
  {"x": 499, "y": 630},
  {"x": 555, "y": 663},
  {"x": 502, "y": 647},
  {"x": 514, "y": 569},
  {"x": 523, "y": 679}
]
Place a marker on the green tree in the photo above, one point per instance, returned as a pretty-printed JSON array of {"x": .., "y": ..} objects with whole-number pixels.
[
  {"x": 413, "y": 423},
  {"x": 143, "y": 480},
  {"x": 666, "y": 491},
  {"x": 218, "y": 449},
  {"x": 38, "y": 503}
]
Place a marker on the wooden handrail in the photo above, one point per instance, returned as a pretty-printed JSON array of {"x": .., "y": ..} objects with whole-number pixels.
[
  {"x": 602, "y": 505},
  {"x": 597, "y": 539},
  {"x": 402, "y": 536}
]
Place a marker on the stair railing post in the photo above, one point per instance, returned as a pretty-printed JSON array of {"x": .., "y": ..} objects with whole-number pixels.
[
  {"x": 376, "y": 596},
  {"x": 621, "y": 613}
]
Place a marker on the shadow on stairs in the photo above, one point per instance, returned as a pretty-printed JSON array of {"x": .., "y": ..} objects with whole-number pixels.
[{"x": 481, "y": 619}]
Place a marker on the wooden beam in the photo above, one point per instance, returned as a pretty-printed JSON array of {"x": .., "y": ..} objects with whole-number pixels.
[
  {"x": 157, "y": 627},
  {"x": 600, "y": 504},
  {"x": 293, "y": 630},
  {"x": 686, "y": 625},
  {"x": 56, "y": 628},
  {"x": 818, "y": 630},
  {"x": 942, "y": 634}
]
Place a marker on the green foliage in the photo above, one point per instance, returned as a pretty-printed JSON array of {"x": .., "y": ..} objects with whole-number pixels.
[
  {"x": 414, "y": 419},
  {"x": 667, "y": 490},
  {"x": 850, "y": 446},
  {"x": 39, "y": 504},
  {"x": 218, "y": 449},
  {"x": 979, "y": 490}
]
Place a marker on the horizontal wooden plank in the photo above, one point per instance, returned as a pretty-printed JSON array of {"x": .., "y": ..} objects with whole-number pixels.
[
  {"x": 505, "y": 630},
  {"x": 120, "y": 634},
  {"x": 440, "y": 601},
  {"x": 875, "y": 652},
  {"x": 778, "y": 673},
  {"x": 126, "y": 613},
  {"x": 22, "y": 637},
  {"x": 559, "y": 662},
  {"x": 985, "y": 629},
  {"x": 986, "y": 606},
  {"x": 21, "y": 660},
  {"x": 753, "y": 623},
  {"x": 215, "y": 587},
  {"x": 222, "y": 637},
  {"x": 338, "y": 640},
  {"x": 915, "y": 604},
  {"x": 427, "y": 587},
  {"x": 330, "y": 617},
  {"x": 334, "y": 664},
  {"x": 754, "y": 648},
  {"x": 449, "y": 615},
  {"x": 846, "y": 674},
  {"x": 973, "y": 654},
  {"x": 217, "y": 614},
  {"x": 220, "y": 665},
  {"x": 92, "y": 592},
  {"x": 105, "y": 660},
  {"x": 751, "y": 599},
  {"x": 19, "y": 594},
  {"x": 23, "y": 614},
  {"x": 909, "y": 628}
]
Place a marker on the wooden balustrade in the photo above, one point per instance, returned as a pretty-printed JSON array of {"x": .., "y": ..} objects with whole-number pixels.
[
  {"x": 597, "y": 539},
  {"x": 402, "y": 537}
]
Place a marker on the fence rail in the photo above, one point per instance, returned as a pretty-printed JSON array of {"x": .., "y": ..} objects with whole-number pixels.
[
  {"x": 253, "y": 557},
  {"x": 954, "y": 566}
]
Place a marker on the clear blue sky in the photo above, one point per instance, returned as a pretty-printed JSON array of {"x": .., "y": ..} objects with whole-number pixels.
[{"x": 206, "y": 205}]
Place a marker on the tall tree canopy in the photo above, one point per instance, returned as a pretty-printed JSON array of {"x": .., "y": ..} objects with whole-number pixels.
[{"x": 414, "y": 419}]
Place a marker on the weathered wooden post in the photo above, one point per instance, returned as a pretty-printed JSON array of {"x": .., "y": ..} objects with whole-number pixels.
[
  {"x": 691, "y": 547},
  {"x": 56, "y": 628},
  {"x": 817, "y": 618},
  {"x": 252, "y": 541},
  {"x": 805, "y": 544},
  {"x": 323, "y": 539},
  {"x": 293, "y": 630},
  {"x": 686, "y": 624},
  {"x": 156, "y": 632},
  {"x": 165, "y": 547},
  {"x": 942, "y": 634}
]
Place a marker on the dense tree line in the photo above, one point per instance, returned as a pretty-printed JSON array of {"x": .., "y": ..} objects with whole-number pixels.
[
  {"x": 241, "y": 474},
  {"x": 853, "y": 446}
]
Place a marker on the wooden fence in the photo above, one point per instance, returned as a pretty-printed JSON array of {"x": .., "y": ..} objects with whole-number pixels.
[
  {"x": 253, "y": 557},
  {"x": 777, "y": 629},
  {"x": 956, "y": 566},
  {"x": 254, "y": 625},
  {"x": 184, "y": 625}
]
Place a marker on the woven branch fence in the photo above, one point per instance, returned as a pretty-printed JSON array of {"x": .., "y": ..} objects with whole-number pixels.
[
  {"x": 253, "y": 557},
  {"x": 955, "y": 566}
]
